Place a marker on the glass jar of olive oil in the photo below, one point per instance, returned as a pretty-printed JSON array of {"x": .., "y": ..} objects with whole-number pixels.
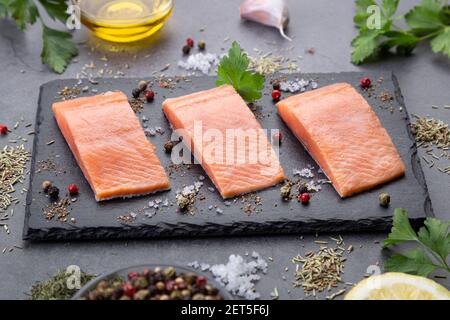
[{"x": 124, "y": 20}]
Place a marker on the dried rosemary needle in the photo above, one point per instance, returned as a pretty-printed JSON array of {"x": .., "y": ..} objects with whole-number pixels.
[{"x": 12, "y": 167}]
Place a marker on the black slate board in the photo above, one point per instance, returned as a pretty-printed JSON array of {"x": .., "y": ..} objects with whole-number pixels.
[{"x": 326, "y": 212}]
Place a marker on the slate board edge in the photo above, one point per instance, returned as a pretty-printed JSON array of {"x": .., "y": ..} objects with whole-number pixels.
[
  {"x": 415, "y": 159},
  {"x": 134, "y": 231}
]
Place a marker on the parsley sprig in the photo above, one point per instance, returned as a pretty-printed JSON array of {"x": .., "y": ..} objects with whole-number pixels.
[
  {"x": 433, "y": 250},
  {"x": 58, "y": 48},
  {"x": 430, "y": 20},
  {"x": 233, "y": 70}
]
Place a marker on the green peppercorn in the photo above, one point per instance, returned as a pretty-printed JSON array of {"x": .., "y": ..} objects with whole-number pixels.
[
  {"x": 170, "y": 273},
  {"x": 183, "y": 202},
  {"x": 168, "y": 146},
  {"x": 201, "y": 45},
  {"x": 198, "y": 296},
  {"x": 46, "y": 185},
  {"x": 384, "y": 199},
  {"x": 164, "y": 297},
  {"x": 140, "y": 282},
  {"x": 160, "y": 286},
  {"x": 285, "y": 191},
  {"x": 175, "y": 295},
  {"x": 186, "y": 293},
  {"x": 141, "y": 295},
  {"x": 190, "y": 278}
]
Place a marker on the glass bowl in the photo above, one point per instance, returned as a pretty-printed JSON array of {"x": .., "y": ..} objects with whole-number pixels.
[
  {"x": 124, "y": 20},
  {"x": 123, "y": 273}
]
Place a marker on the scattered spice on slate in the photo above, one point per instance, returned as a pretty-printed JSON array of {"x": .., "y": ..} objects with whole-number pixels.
[
  {"x": 12, "y": 169},
  {"x": 251, "y": 203},
  {"x": 155, "y": 284},
  {"x": 385, "y": 96},
  {"x": 69, "y": 93},
  {"x": 56, "y": 287},
  {"x": 58, "y": 209},
  {"x": 319, "y": 271},
  {"x": 384, "y": 199},
  {"x": 137, "y": 104}
]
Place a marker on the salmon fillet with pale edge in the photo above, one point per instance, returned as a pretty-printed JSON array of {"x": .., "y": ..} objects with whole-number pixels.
[
  {"x": 110, "y": 146},
  {"x": 345, "y": 137},
  {"x": 215, "y": 111}
]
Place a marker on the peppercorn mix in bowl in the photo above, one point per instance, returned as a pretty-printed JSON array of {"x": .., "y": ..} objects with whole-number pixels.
[{"x": 153, "y": 282}]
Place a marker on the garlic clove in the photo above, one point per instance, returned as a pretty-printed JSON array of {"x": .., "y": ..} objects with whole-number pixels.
[{"x": 272, "y": 13}]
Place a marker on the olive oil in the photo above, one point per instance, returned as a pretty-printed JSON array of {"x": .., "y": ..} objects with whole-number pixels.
[{"x": 124, "y": 20}]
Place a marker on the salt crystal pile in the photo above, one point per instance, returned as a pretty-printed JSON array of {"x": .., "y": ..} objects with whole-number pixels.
[
  {"x": 305, "y": 173},
  {"x": 239, "y": 276},
  {"x": 297, "y": 85},
  {"x": 202, "y": 62}
]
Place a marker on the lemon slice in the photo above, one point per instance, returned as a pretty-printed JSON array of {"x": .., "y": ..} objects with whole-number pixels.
[{"x": 398, "y": 286}]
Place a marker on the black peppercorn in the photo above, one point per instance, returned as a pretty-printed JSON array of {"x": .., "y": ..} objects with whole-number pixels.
[
  {"x": 276, "y": 85},
  {"x": 303, "y": 188},
  {"x": 136, "y": 93},
  {"x": 186, "y": 50},
  {"x": 53, "y": 192}
]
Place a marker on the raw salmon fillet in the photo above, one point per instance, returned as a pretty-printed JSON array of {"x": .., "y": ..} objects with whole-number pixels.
[
  {"x": 345, "y": 137},
  {"x": 235, "y": 165},
  {"x": 110, "y": 146}
]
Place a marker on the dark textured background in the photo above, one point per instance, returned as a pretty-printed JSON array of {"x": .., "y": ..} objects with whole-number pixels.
[{"x": 323, "y": 24}]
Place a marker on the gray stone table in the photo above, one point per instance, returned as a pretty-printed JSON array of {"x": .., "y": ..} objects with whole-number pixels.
[{"x": 321, "y": 24}]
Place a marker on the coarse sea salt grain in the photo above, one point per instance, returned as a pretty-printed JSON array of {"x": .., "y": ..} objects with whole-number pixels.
[
  {"x": 202, "y": 62},
  {"x": 305, "y": 173},
  {"x": 239, "y": 275}
]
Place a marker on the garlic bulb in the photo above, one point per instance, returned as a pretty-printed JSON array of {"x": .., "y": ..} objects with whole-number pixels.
[{"x": 272, "y": 13}]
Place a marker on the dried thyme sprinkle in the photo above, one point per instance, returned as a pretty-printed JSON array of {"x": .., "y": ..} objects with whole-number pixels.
[
  {"x": 319, "y": 271},
  {"x": 431, "y": 131},
  {"x": 12, "y": 169},
  {"x": 56, "y": 288}
]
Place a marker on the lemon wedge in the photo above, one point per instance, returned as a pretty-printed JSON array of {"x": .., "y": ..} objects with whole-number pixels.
[{"x": 398, "y": 286}]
